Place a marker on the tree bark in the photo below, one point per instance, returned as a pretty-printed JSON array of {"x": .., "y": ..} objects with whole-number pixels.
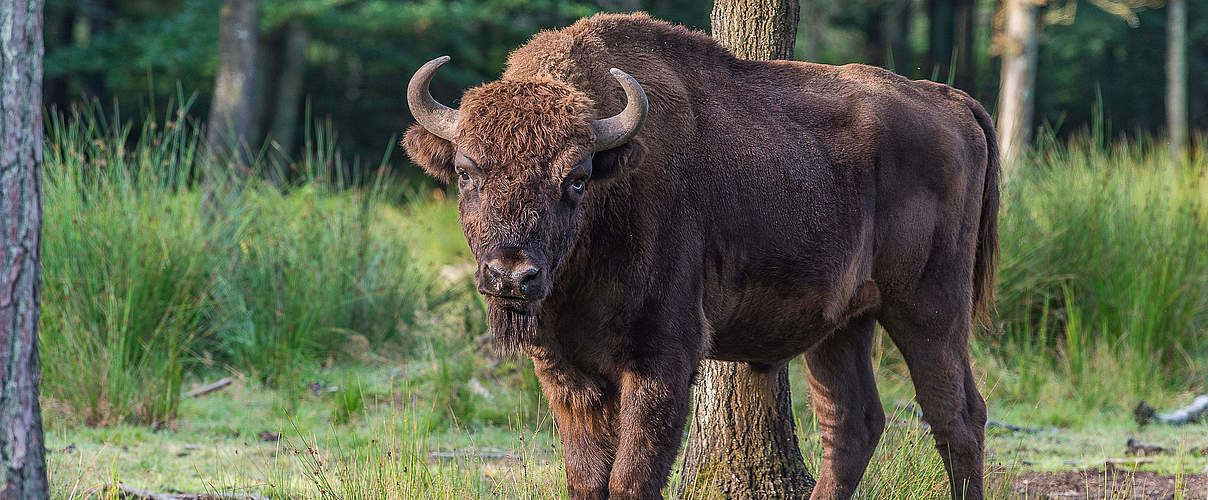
[
  {"x": 759, "y": 30},
  {"x": 233, "y": 106},
  {"x": 22, "y": 452},
  {"x": 742, "y": 442},
  {"x": 1020, "y": 46},
  {"x": 1176, "y": 76}
]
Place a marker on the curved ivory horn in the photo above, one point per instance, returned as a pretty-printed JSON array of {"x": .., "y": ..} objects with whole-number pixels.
[
  {"x": 619, "y": 129},
  {"x": 433, "y": 116}
]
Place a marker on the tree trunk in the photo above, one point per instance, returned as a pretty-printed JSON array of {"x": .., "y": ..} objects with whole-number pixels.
[
  {"x": 759, "y": 30},
  {"x": 939, "y": 48},
  {"x": 964, "y": 24},
  {"x": 742, "y": 443},
  {"x": 98, "y": 14},
  {"x": 233, "y": 107},
  {"x": 22, "y": 452},
  {"x": 1017, "y": 91},
  {"x": 1176, "y": 76},
  {"x": 816, "y": 18},
  {"x": 289, "y": 90},
  {"x": 895, "y": 27}
]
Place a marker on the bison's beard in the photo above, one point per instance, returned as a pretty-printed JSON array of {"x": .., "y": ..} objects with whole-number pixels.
[{"x": 510, "y": 327}]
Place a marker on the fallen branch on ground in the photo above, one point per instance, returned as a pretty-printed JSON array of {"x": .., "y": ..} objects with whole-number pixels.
[
  {"x": 1191, "y": 413},
  {"x": 990, "y": 424},
  {"x": 206, "y": 389},
  {"x": 486, "y": 454},
  {"x": 1134, "y": 448},
  {"x": 127, "y": 492}
]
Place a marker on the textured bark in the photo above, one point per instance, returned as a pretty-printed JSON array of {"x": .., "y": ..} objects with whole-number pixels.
[
  {"x": 22, "y": 454},
  {"x": 754, "y": 29},
  {"x": 742, "y": 442},
  {"x": 1176, "y": 76},
  {"x": 1020, "y": 46},
  {"x": 233, "y": 107}
]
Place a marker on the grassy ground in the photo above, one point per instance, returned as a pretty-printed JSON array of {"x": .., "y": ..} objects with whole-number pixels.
[
  {"x": 227, "y": 442},
  {"x": 343, "y": 307}
]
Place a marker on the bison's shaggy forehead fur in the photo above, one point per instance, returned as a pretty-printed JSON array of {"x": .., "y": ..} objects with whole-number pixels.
[{"x": 524, "y": 123}]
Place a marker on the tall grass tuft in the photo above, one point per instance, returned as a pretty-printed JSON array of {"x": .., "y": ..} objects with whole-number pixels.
[
  {"x": 1104, "y": 268},
  {"x": 141, "y": 282}
]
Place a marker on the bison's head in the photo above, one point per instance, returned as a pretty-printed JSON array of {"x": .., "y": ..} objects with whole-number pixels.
[{"x": 524, "y": 155}]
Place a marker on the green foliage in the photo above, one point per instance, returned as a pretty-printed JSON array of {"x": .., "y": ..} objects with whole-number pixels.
[
  {"x": 1104, "y": 270},
  {"x": 126, "y": 269},
  {"x": 139, "y": 287}
]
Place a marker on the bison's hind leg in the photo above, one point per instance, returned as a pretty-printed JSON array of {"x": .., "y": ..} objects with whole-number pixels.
[
  {"x": 844, "y": 392},
  {"x": 932, "y": 332}
]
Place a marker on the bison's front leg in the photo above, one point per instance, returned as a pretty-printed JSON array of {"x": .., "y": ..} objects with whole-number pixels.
[
  {"x": 585, "y": 411},
  {"x": 654, "y": 406}
]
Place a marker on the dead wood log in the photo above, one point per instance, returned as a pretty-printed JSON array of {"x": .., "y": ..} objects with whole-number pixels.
[
  {"x": 1135, "y": 448},
  {"x": 206, "y": 389},
  {"x": 1191, "y": 413}
]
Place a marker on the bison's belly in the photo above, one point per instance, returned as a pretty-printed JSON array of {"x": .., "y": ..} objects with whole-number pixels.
[{"x": 763, "y": 325}]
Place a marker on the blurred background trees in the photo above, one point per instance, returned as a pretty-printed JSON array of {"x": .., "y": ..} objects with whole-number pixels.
[{"x": 348, "y": 60}]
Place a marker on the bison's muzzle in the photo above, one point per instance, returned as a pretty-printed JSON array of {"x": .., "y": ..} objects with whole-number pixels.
[{"x": 511, "y": 275}]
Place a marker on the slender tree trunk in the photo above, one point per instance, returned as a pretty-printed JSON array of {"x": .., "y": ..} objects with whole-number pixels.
[
  {"x": 1176, "y": 76},
  {"x": 289, "y": 89},
  {"x": 741, "y": 443},
  {"x": 22, "y": 451},
  {"x": 939, "y": 51},
  {"x": 1017, "y": 91},
  {"x": 58, "y": 24},
  {"x": 875, "y": 43},
  {"x": 964, "y": 24},
  {"x": 99, "y": 16},
  {"x": 233, "y": 107},
  {"x": 816, "y": 18},
  {"x": 896, "y": 33}
]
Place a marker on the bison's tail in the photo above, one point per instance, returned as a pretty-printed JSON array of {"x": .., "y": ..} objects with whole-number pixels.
[{"x": 986, "y": 260}]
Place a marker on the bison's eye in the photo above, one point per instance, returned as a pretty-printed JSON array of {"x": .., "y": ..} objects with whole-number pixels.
[
  {"x": 465, "y": 177},
  {"x": 578, "y": 185}
]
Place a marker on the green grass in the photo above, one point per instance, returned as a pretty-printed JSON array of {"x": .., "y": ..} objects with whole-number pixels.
[
  {"x": 144, "y": 280},
  {"x": 1104, "y": 270}
]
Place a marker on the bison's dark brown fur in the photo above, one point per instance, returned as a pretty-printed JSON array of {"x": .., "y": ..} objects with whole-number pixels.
[{"x": 763, "y": 211}]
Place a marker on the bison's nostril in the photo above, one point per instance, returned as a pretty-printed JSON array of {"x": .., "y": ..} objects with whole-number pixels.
[
  {"x": 527, "y": 274},
  {"x": 495, "y": 271},
  {"x": 509, "y": 280}
]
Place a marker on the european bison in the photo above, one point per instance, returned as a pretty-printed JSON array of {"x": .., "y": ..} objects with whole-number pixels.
[{"x": 722, "y": 208}]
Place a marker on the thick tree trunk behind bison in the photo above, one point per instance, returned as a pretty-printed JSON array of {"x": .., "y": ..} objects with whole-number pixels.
[{"x": 742, "y": 443}]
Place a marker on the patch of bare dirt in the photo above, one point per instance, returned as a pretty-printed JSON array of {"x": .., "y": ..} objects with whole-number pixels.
[{"x": 1113, "y": 485}]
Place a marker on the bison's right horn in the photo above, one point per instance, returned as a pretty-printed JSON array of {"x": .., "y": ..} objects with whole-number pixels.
[
  {"x": 433, "y": 116},
  {"x": 617, "y": 130}
]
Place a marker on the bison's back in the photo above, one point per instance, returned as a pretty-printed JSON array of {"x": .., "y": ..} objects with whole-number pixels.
[{"x": 790, "y": 183}]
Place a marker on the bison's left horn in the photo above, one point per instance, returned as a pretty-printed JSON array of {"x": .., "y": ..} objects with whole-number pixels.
[
  {"x": 617, "y": 130},
  {"x": 433, "y": 116}
]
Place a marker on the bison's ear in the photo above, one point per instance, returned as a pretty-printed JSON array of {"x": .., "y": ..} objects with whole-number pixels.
[
  {"x": 609, "y": 162},
  {"x": 433, "y": 154}
]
